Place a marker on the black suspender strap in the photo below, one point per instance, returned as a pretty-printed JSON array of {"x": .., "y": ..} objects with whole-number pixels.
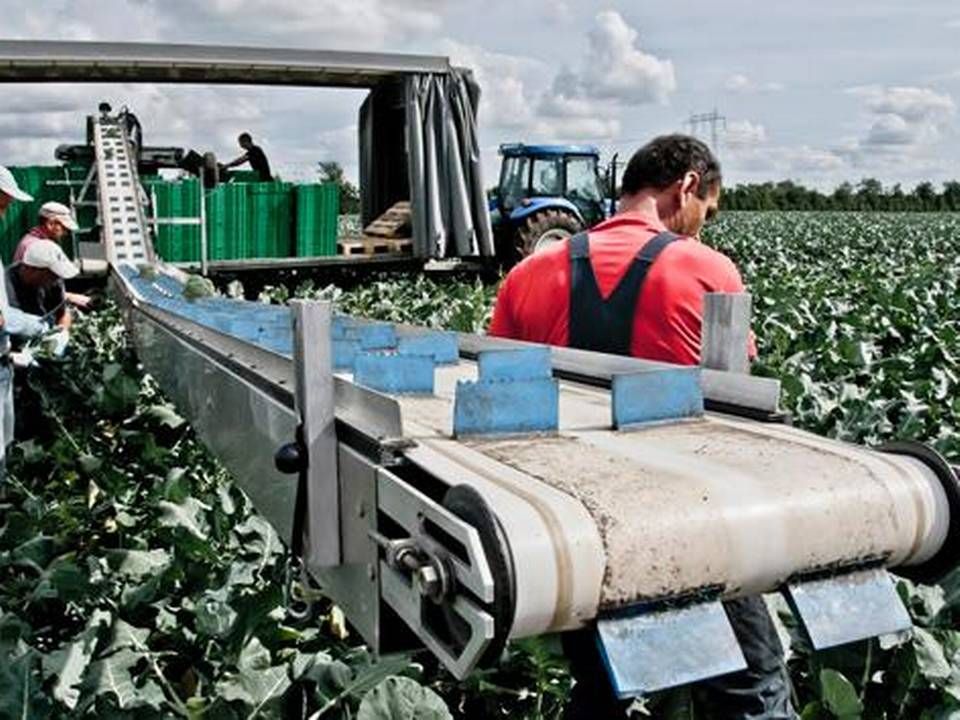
[{"x": 607, "y": 325}]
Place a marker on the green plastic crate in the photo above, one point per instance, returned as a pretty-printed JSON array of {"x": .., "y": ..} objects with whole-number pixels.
[
  {"x": 228, "y": 222},
  {"x": 271, "y": 219},
  {"x": 181, "y": 199},
  {"x": 318, "y": 207}
]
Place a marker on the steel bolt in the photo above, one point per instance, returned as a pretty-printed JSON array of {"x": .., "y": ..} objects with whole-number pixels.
[{"x": 427, "y": 581}]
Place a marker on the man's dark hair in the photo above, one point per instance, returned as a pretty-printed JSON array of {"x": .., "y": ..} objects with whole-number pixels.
[
  {"x": 666, "y": 159},
  {"x": 245, "y": 137}
]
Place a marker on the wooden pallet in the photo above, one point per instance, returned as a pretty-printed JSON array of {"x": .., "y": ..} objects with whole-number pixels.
[
  {"x": 394, "y": 223},
  {"x": 375, "y": 246}
]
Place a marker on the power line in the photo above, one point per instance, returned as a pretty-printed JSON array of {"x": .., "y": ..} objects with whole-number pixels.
[{"x": 714, "y": 120}]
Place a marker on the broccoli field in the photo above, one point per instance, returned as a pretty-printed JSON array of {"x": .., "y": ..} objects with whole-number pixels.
[{"x": 136, "y": 581}]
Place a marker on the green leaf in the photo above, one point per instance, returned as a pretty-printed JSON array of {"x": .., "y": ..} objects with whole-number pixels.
[
  {"x": 256, "y": 681},
  {"x": 931, "y": 661},
  {"x": 111, "y": 676},
  {"x": 69, "y": 664},
  {"x": 186, "y": 515},
  {"x": 20, "y": 696},
  {"x": 166, "y": 415},
  {"x": 839, "y": 695},
  {"x": 124, "y": 636},
  {"x": 137, "y": 564},
  {"x": 214, "y": 616},
  {"x": 400, "y": 698}
]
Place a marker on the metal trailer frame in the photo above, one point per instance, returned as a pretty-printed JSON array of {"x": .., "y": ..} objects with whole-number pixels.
[{"x": 406, "y": 158}]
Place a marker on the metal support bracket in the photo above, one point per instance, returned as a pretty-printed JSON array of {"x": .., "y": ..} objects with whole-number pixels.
[
  {"x": 846, "y": 608},
  {"x": 654, "y": 650},
  {"x": 440, "y": 534},
  {"x": 315, "y": 404}
]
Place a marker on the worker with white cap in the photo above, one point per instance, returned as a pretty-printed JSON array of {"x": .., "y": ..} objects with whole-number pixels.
[
  {"x": 12, "y": 322},
  {"x": 55, "y": 221}
]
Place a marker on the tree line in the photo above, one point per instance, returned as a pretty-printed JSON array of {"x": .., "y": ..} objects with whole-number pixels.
[{"x": 868, "y": 194}]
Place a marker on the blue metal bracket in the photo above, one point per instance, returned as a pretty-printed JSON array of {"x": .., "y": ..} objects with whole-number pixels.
[
  {"x": 394, "y": 373},
  {"x": 515, "y": 393},
  {"x": 655, "y": 395},
  {"x": 655, "y": 650},
  {"x": 846, "y": 608},
  {"x": 441, "y": 346}
]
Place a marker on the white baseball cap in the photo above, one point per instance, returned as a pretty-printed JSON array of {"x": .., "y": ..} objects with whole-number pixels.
[
  {"x": 61, "y": 213},
  {"x": 8, "y": 186},
  {"x": 47, "y": 254}
]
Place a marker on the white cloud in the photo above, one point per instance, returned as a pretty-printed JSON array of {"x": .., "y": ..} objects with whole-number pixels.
[
  {"x": 741, "y": 84},
  {"x": 743, "y": 133},
  {"x": 614, "y": 68},
  {"x": 903, "y": 119},
  {"x": 505, "y": 98},
  {"x": 512, "y": 98},
  {"x": 953, "y": 24},
  {"x": 913, "y": 104}
]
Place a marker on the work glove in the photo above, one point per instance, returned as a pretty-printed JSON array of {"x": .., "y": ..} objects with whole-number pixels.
[
  {"x": 56, "y": 342},
  {"x": 23, "y": 359}
]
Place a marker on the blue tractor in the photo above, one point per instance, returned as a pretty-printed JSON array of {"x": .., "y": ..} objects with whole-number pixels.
[{"x": 546, "y": 194}]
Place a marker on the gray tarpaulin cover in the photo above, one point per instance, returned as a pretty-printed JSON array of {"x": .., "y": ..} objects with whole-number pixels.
[
  {"x": 418, "y": 142},
  {"x": 450, "y": 216}
]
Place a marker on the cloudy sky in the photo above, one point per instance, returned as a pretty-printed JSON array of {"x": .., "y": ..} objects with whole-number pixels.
[{"x": 819, "y": 91}]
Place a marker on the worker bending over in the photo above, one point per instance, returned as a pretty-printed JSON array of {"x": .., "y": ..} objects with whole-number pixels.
[
  {"x": 634, "y": 285},
  {"x": 254, "y": 155},
  {"x": 55, "y": 222}
]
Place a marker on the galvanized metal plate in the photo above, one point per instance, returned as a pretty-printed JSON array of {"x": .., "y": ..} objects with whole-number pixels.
[
  {"x": 651, "y": 651},
  {"x": 846, "y": 608}
]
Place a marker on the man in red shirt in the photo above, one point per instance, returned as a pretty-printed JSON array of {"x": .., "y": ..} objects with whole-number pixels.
[
  {"x": 634, "y": 285},
  {"x": 55, "y": 221}
]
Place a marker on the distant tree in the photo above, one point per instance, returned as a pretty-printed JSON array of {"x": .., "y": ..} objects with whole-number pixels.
[
  {"x": 926, "y": 196},
  {"x": 331, "y": 171}
]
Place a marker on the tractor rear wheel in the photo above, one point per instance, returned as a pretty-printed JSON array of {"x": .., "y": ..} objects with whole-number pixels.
[{"x": 544, "y": 229}]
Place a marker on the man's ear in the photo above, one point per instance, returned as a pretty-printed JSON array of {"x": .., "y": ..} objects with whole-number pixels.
[{"x": 689, "y": 184}]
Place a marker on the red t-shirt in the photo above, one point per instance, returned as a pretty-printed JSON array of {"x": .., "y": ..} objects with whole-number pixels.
[
  {"x": 37, "y": 233},
  {"x": 533, "y": 303}
]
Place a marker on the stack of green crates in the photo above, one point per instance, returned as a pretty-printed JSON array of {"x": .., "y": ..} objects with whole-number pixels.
[
  {"x": 177, "y": 243},
  {"x": 318, "y": 207}
]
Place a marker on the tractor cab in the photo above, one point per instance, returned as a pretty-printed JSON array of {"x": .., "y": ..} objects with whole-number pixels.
[{"x": 546, "y": 193}]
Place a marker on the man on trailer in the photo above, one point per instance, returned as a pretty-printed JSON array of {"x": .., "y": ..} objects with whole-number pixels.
[
  {"x": 12, "y": 322},
  {"x": 634, "y": 285},
  {"x": 254, "y": 155},
  {"x": 55, "y": 221}
]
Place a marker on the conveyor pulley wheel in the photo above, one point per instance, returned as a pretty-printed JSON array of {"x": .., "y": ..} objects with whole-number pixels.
[{"x": 466, "y": 503}]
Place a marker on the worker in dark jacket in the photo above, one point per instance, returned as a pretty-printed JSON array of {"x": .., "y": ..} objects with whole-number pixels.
[
  {"x": 634, "y": 285},
  {"x": 254, "y": 155}
]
